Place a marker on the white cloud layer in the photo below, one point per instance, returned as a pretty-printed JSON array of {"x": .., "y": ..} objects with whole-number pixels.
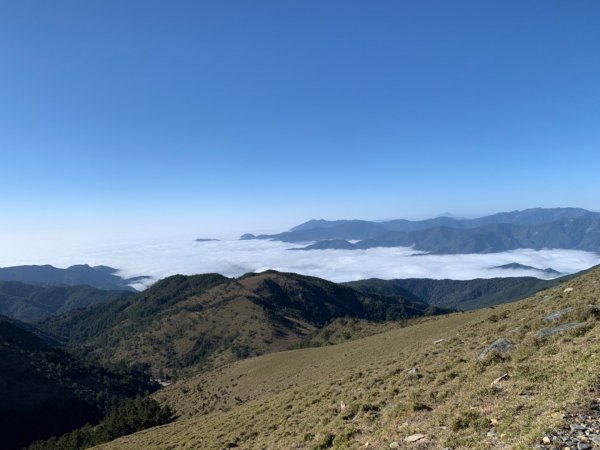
[{"x": 233, "y": 258}]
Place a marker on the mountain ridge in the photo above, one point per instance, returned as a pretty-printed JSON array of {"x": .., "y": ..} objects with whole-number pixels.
[
  {"x": 576, "y": 234},
  {"x": 537, "y": 228},
  {"x": 184, "y": 321}
]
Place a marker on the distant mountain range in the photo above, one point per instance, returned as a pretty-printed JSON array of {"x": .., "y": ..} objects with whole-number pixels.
[
  {"x": 538, "y": 228},
  {"x": 99, "y": 277}
]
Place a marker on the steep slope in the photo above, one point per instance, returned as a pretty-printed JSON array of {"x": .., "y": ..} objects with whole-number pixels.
[
  {"x": 100, "y": 277},
  {"x": 436, "y": 383},
  {"x": 457, "y": 294},
  {"x": 181, "y": 322},
  {"x": 31, "y": 303},
  {"x": 46, "y": 391}
]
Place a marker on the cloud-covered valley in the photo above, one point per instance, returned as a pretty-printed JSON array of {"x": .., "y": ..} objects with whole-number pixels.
[{"x": 236, "y": 257}]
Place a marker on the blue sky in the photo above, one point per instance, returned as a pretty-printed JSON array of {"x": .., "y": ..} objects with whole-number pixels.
[{"x": 129, "y": 117}]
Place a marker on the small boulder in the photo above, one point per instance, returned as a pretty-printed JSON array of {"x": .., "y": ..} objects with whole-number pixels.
[
  {"x": 394, "y": 445},
  {"x": 557, "y": 315},
  {"x": 547, "y": 332},
  {"x": 498, "y": 346},
  {"x": 414, "y": 437},
  {"x": 567, "y": 290}
]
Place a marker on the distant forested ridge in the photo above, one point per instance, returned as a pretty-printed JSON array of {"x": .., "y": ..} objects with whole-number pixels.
[
  {"x": 458, "y": 294},
  {"x": 538, "y": 228}
]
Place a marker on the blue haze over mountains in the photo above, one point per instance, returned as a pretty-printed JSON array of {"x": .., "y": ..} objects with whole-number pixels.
[
  {"x": 536, "y": 228},
  {"x": 99, "y": 277}
]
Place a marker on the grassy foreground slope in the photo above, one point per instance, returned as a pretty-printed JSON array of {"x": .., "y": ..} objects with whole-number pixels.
[{"x": 424, "y": 379}]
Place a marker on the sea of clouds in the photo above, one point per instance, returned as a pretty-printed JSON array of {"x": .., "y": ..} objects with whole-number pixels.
[{"x": 160, "y": 258}]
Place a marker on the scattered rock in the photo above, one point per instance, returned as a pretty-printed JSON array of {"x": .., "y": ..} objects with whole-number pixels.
[
  {"x": 342, "y": 405},
  {"x": 439, "y": 341},
  {"x": 414, "y": 437},
  {"x": 394, "y": 445},
  {"x": 581, "y": 430},
  {"x": 502, "y": 377},
  {"x": 412, "y": 371},
  {"x": 499, "y": 346},
  {"x": 567, "y": 290},
  {"x": 547, "y": 332},
  {"x": 557, "y": 315}
]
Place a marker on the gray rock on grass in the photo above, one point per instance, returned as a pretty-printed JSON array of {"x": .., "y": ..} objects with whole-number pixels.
[
  {"x": 558, "y": 314},
  {"x": 498, "y": 346},
  {"x": 547, "y": 332}
]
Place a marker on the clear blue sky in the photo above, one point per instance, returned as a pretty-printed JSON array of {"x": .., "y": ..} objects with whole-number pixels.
[{"x": 125, "y": 116}]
